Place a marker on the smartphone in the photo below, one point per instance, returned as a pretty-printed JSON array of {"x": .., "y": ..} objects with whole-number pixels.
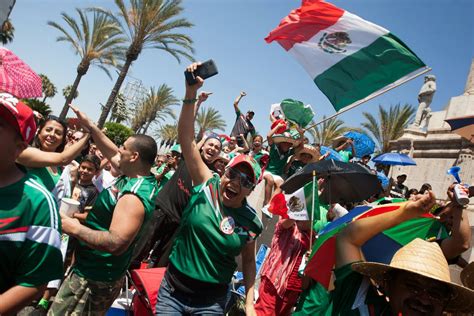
[{"x": 205, "y": 70}]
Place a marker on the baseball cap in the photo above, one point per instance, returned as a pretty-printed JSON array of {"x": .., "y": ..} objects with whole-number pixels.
[
  {"x": 18, "y": 115},
  {"x": 176, "y": 148},
  {"x": 249, "y": 161}
]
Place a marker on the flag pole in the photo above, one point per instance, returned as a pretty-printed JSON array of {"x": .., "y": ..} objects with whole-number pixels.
[
  {"x": 312, "y": 212},
  {"x": 387, "y": 88}
]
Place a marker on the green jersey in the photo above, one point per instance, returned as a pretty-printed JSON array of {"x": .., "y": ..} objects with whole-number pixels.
[
  {"x": 30, "y": 235},
  {"x": 102, "y": 266},
  {"x": 201, "y": 250},
  {"x": 346, "y": 155},
  {"x": 46, "y": 177},
  {"x": 278, "y": 160}
]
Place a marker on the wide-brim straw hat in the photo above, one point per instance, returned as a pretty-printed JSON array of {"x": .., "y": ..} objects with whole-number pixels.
[
  {"x": 288, "y": 136},
  {"x": 308, "y": 149},
  {"x": 425, "y": 259},
  {"x": 467, "y": 276},
  {"x": 338, "y": 141}
]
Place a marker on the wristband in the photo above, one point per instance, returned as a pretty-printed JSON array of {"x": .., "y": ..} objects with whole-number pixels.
[{"x": 189, "y": 101}]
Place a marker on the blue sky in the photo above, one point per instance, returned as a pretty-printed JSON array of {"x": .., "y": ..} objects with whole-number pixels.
[{"x": 232, "y": 33}]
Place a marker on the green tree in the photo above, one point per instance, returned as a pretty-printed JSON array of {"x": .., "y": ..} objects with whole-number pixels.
[
  {"x": 117, "y": 132},
  {"x": 388, "y": 125},
  {"x": 120, "y": 111},
  {"x": 155, "y": 108},
  {"x": 168, "y": 132},
  {"x": 67, "y": 93},
  {"x": 38, "y": 106},
  {"x": 209, "y": 119},
  {"x": 49, "y": 89},
  {"x": 98, "y": 43},
  {"x": 7, "y": 32},
  {"x": 149, "y": 24},
  {"x": 326, "y": 132}
]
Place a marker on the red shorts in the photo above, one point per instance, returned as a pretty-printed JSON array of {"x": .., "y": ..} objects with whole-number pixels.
[{"x": 269, "y": 303}]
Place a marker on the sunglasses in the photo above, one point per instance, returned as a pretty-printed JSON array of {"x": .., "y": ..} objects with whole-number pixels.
[{"x": 245, "y": 180}]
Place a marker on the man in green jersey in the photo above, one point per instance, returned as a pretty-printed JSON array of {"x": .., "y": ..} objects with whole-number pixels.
[
  {"x": 112, "y": 228},
  {"x": 29, "y": 221}
]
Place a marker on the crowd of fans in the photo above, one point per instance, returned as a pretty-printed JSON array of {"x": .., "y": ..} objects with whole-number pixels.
[{"x": 187, "y": 210}]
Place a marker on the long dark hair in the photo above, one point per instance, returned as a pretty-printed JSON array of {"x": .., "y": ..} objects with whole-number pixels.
[{"x": 60, "y": 148}]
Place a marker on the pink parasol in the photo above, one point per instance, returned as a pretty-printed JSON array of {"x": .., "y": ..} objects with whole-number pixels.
[{"x": 17, "y": 78}]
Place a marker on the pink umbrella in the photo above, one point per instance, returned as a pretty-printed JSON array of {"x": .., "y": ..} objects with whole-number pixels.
[{"x": 17, "y": 78}]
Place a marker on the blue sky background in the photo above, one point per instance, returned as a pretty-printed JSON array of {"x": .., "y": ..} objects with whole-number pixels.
[{"x": 232, "y": 33}]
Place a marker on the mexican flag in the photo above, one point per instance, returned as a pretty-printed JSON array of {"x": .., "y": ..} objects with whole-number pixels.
[
  {"x": 296, "y": 112},
  {"x": 347, "y": 57},
  {"x": 298, "y": 205}
]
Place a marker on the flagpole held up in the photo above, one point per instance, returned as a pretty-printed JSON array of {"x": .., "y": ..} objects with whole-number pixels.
[
  {"x": 312, "y": 211},
  {"x": 387, "y": 88}
]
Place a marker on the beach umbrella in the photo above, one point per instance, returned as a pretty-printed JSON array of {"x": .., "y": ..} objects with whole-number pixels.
[
  {"x": 344, "y": 182},
  {"x": 17, "y": 78},
  {"x": 380, "y": 248},
  {"x": 363, "y": 144},
  {"x": 463, "y": 126},
  {"x": 394, "y": 159},
  {"x": 334, "y": 155}
]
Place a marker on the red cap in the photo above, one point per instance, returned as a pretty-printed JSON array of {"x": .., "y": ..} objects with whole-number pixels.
[
  {"x": 249, "y": 161},
  {"x": 18, "y": 115}
]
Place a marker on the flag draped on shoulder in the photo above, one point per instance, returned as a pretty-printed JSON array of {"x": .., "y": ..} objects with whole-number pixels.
[{"x": 347, "y": 57}]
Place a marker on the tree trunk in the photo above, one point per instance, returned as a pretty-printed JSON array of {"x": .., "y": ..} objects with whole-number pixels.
[
  {"x": 146, "y": 127},
  {"x": 114, "y": 92},
  {"x": 70, "y": 96}
]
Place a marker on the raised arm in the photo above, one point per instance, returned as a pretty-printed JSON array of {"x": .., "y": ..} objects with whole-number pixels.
[
  {"x": 34, "y": 158},
  {"x": 197, "y": 169},
  {"x": 460, "y": 239},
  {"x": 355, "y": 235},
  {"x": 103, "y": 143},
  {"x": 273, "y": 131},
  {"x": 201, "y": 99},
  {"x": 237, "y": 100}
]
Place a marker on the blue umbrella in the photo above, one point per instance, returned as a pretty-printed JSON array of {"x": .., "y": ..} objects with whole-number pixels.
[
  {"x": 334, "y": 155},
  {"x": 363, "y": 144},
  {"x": 394, "y": 159}
]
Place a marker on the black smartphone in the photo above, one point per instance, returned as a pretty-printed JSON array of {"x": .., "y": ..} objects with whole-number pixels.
[{"x": 205, "y": 70}]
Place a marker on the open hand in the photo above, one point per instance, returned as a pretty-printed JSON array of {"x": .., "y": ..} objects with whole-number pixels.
[{"x": 83, "y": 119}]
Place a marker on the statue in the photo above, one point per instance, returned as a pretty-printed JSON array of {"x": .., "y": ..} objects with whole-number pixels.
[{"x": 424, "y": 98}]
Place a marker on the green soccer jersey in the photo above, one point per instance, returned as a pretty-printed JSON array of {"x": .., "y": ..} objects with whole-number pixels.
[
  {"x": 44, "y": 176},
  {"x": 278, "y": 160},
  {"x": 201, "y": 250},
  {"x": 102, "y": 266},
  {"x": 30, "y": 235}
]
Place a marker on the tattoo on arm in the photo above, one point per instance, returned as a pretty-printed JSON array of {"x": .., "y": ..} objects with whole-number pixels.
[{"x": 101, "y": 240}]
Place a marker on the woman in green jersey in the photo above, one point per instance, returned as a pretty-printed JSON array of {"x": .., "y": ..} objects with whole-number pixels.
[{"x": 216, "y": 226}]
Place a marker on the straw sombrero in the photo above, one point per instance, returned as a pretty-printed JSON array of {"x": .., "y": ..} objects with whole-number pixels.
[
  {"x": 338, "y": 141},
  {"x": 308, "y": 149},
  {"x": 425, "y": 259},
  {"x": 289, "y": 136},
  {"x": 467, "y": 276}
]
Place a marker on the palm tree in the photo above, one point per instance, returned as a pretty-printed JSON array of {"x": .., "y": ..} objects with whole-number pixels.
[
  {"x": 67, "y": 93},
  {"x": 120, "y": 110},
  {"x": 327, "y": 131},
  {"x": 38, "y": 106},
  {"x": 149, "y": 24},
  {"x": 7, "y": 32},
  {"x": 156, "y": 107},
  {"x": 389, "y": 125},
  {"x": 209, "y": 119},
  {"x": 49, "y": 89},
  {"x": 168, "y": 132},
  {"x": 97, "y": 43}
]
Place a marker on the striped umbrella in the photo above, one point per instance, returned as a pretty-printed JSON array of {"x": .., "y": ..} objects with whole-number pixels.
[
  {"x": 380, "y": 248},
  {"x": 17, "y": 78}
]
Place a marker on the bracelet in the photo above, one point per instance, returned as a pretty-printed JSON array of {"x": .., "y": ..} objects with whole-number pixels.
[{"x": 189, "y": 101}]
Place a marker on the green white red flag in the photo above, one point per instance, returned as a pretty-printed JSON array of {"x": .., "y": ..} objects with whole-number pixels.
[
  {"x": 298, "y": 205},
  {"x": 347, "y": 57}
]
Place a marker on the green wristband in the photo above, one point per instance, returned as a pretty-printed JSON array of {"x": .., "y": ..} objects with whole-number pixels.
[{"x": 189, "y": 101}]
